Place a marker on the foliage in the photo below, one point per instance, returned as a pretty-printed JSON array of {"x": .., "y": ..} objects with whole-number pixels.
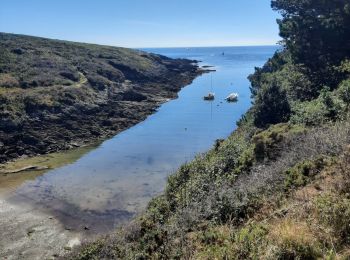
[
  {"x": 317, "y": 33},
  {"x": 271, "y": 106},
  {"x": 344, "y": 93},
  {"x": 260, "y": 76},
  {"x": 266, "y": 143},
  {"x": 329, "y": 106},
  {"x": 334, "y": 211},
  {"x": 302, "y": 173},
  {"x": 249, "y": 240}
]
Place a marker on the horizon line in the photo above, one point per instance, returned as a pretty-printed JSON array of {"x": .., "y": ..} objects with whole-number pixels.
[{"x": 209, "y": 46}]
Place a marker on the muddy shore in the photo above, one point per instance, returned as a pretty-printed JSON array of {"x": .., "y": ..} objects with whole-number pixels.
[{"x": 30, "y": 234}]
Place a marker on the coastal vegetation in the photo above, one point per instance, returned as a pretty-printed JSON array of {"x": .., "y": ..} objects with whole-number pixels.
[{"x": 279, "y": 186}]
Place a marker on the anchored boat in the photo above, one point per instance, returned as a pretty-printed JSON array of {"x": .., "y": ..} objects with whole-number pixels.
[
  {"x": 210, "y": 96},
  {"x": 233, "y": 97}
]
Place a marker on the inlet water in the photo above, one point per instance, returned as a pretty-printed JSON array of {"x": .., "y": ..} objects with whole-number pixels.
[{"x": 113, "y": 182}]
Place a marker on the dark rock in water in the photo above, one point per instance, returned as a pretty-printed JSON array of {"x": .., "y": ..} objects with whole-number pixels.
[{"x": 73, "y": 93}]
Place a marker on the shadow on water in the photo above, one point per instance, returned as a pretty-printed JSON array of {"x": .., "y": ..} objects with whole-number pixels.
[{"x": 109, "y": 184}]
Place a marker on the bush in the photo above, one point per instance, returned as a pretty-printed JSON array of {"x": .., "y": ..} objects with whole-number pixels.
[
  {"x": 309, "y": 113},
  {"x": 331, "y": 106},
  {"x": 334, "y": 211},
  {"x": 212, "y": 243},
  {"x": 271, "y": 106},
  {"x": 266, "y": 143},
  {"x": 249, "y": 240},
  {"x": 302, "y": 173},
  {"x": 261, "y": 75},
  {"x": 344, "y": 93}
]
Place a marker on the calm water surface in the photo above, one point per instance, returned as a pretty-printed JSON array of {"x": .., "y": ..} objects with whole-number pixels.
[{"x": 114, "y": 181}]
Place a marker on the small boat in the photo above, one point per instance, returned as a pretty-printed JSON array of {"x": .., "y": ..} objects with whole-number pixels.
[
  {"x": 210, "y": 96},
  {"x": 233, "y": 97}
]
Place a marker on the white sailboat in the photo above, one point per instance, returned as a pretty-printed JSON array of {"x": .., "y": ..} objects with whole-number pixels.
[
  {"x": 211, "y": 95},
  {"x": 233, "y": 97}
]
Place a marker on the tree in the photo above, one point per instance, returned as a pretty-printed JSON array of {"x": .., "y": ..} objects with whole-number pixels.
[
  {"x": 273, "y": 64},
  {"x": 271, "y": 106},
  {"x": 317, "y": 33}
]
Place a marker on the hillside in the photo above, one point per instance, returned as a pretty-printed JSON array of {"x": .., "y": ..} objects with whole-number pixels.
[
  {"x": 278, "y": 187},
  {"x": 55, "y": 95}
]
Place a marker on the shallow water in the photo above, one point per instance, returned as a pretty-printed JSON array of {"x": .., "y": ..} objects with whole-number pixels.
[{"x": 114, "y": 181}]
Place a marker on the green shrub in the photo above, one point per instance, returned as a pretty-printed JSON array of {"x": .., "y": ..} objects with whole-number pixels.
[
  {"x": 159, "y": 209},
  {"x": 334, "y": 211},
  {"x": 302, "y": 173},
  {"x": 91, "y": 251},
  {"x": 266, "y": 142},
  {"x": 271, "y": 106},
  {"x": 332, "y": 107},
  {"x": 249, "y": 241},
  {"x": 262, "y": 75},
  {"x": 329, "y": 106},
  {"x": 344, "y": 93},
  {"x": 309, "y": 113},
  {"x": 245, "y": 161}
]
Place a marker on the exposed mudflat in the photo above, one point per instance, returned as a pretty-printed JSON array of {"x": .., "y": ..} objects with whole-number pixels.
[{"x": 27, "y": 233}]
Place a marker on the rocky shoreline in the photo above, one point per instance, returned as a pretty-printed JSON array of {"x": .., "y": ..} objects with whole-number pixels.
[{"x": 118, "y": 90}]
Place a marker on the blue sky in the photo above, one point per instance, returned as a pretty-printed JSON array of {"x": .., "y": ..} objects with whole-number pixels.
[{"x": 144, "y": 23}]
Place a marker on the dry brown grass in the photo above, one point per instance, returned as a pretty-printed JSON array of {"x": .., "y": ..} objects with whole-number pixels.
[{"x": 292, "y": 238}]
